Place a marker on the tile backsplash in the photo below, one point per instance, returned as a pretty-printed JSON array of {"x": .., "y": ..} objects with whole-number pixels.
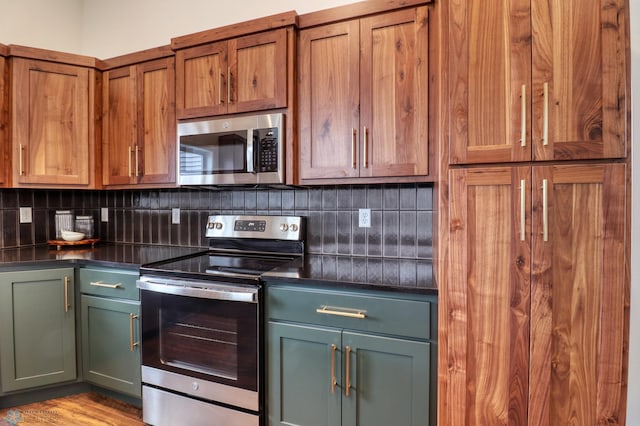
[{"x": 401, "y": 216}]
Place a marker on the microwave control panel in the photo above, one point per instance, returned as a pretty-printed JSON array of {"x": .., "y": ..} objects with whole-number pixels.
[{"x": 268, "y": 151}]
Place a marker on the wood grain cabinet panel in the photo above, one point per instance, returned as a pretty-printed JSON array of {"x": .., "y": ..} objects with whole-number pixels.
[
  {"x": 537, "y": 80},
  {"x": 363, "y": 97},
  {"x": 51, "y": 119},
  {"x": 537, "y": 295},
  {"x": 139, "y": 128},
  {"x": 239, "y": 75}
]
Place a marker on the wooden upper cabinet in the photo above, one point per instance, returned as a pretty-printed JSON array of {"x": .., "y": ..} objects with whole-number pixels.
[
  {"x": 52, "y": 124},
  {"x": 239, "y": 75},
  {"x": 537, "y": 80},
  {"x": 536, "y": 296},
  {"x": 139, "y": 125},
  {"x": 363, "y": 98},
  {"x": 4, "y": 116}
]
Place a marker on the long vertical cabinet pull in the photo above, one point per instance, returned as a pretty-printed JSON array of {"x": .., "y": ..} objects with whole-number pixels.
[
  {"x": 220, "y": 95},
  {"x": 137, "y": 148},
  {"x": 545, "y": 210},
  {"x": 132, "y": 343},
  {"x": 66, "y": 294},
  {"x": 545, "y": 114},
  {"x": 130, "y": 156},
  {"x": 229, "y": 85},
  {"x": 523, "y": 200},
  {"x": 354, "y": 143},
  {"x": 365, "y": 145},
  {"x": 21, "y": 160},
  {"x": 347, "y": 374},
  {"x": 523, "y": 116},
  {"x": 333, "y": 368}
]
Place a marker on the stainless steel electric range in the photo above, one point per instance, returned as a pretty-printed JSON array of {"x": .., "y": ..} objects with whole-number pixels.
[{"x": 202, "y": 323}]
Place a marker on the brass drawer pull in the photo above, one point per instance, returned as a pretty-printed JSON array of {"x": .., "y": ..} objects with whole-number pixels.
[
  {"x": 347, "y": 374},
  {"x": 342, "y": 312},
  {"x": 106, "y": 285},
  {"x": 333, "y": 368},
  {"x": 66, "y": 294}
]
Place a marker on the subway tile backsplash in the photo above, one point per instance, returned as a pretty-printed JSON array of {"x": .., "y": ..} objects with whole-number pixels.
[{"x": 401, "y": 216}]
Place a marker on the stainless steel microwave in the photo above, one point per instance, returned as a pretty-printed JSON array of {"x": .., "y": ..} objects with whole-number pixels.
[{"x": 243, "y": 150}]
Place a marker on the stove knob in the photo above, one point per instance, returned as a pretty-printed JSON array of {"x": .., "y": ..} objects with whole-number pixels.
[
  {"x": 218, "y": 225},
  {"x": 293, "y": 227},
  {"x": 284, "y": 227},
  {"x": 210, "y": 225},
  {"x": 195, "y": 386}
]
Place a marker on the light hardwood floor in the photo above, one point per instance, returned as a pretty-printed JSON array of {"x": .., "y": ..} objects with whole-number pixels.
[{"x": 85, "y": 409}]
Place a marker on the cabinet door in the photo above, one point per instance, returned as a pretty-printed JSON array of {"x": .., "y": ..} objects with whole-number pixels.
[
  {"x": 579, "y": 295},
  {"x": 394, "y": 94},
  {"x": 155, "y": 155},
  {"x": 50, "y": 123},
  {"x": 119, "y": 125},
  {"x": 257, "y": 73},
  {"x": 487, "y": 297},
  {"x": 579, "y": 55},
  {"x": 328, "y": 101},
  {"x": 201, "y": 80},
  {"x": 300, "y": 366},
  {"x": 37, "y": 337},
  {"x": 4, "y": 116},
  {"x": 532, "y": 79},
  {"x": 110, "y": 343},
  {"x": 389, "y": 381}
]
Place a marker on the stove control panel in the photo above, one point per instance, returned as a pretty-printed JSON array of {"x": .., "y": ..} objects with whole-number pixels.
[{"x": 261, "y": 227}]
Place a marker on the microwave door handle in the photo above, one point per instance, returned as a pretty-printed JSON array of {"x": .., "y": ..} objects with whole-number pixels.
[{"x": 250, "y": 157}]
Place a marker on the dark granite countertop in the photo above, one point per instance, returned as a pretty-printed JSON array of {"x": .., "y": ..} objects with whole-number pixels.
[
  {"x": 372, "y": 273},
  {"x": 128, "y": 256}
]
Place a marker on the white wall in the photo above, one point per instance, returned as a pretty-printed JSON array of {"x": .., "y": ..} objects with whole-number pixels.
[
  {"x": 116, "y": 27},
  {"x": 47, "y": 24},
  {"x": 633, "y": 398}
]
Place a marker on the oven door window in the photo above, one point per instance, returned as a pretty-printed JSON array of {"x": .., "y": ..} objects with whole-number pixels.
[
  {"x": 209, "y": 339},
  {"x": 213, "y": 153}
]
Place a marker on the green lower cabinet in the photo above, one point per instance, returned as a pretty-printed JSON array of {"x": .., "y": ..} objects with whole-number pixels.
[
  {"x": 110, "y": 343},
  {"x": 37, "y": 328},
  {"x": 388, "y": 378}
]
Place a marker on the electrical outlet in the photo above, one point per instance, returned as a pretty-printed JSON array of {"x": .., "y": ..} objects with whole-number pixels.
[
  {"x": 364, "y": 218},
  {"x": 104, "y": 214},
  {"x": 175, "y": 216},
  {"x": 25, "y": 215}
]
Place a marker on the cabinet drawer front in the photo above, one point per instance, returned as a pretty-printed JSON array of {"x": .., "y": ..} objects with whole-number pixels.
[
  {"x": 350, "y": 310},
  {"x": 109, "y": 283}
]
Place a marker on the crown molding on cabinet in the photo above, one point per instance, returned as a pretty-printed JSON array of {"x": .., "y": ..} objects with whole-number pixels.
[{"x": 51, "y": 55}]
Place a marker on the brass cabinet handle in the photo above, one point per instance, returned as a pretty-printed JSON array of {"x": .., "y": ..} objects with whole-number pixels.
[
  {"x": 21, "y": 160},
  {"x": 545, "y": 114},
  {"x": 137, "y": 148},
  {"x": 130, "y": 171},
  {"x": 545, "y": 210},
  {"x": 347, "y": 373},
  {"x": 229, "y": 85},
  {"x": 342, "y": 312},
  {"x": 354, "y": 143},
  {"x": 106, "y": 285},
  {"x": 220, "y": 83},
  {"x": 66, "y": 294},
  {"x": 523, "y": 199},
  {"x": 333, "y": 368},
  {"x": 523, "y": 117},
  {"x": 132, "y": 344},
  {"x": 365, "y": 147}
]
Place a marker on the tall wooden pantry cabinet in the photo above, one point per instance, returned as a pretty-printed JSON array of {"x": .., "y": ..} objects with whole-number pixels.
[{"x": 537, "y": 288}]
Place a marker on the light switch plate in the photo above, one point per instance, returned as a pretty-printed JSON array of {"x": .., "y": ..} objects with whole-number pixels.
[
  {"x": 175, "y": 216},
  {"x": 104, "y": 214},
  {"x": 25, "y": 215},
  {"x": 364, "y": 218}
]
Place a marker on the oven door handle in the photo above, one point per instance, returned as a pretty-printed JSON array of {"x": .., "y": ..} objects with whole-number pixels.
[{"x": 222, "y": 293}]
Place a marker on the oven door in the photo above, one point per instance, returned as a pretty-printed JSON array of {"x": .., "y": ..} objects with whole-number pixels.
[{"x": 202, "y": 341}]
